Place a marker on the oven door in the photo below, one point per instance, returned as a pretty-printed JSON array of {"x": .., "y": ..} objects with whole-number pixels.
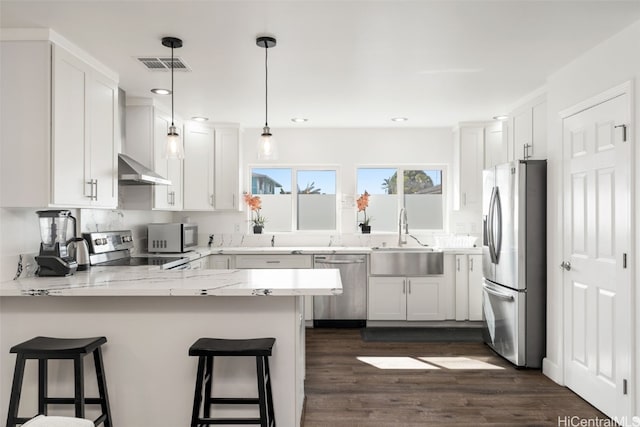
[
  {"x": 189, "y": 236},
  {"x": 504, "y": 321}
]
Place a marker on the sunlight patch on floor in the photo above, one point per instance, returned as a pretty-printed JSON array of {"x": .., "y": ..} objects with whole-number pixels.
[
  {"x": 460, "y": 362},
  {"x": 396, "y": 363}
]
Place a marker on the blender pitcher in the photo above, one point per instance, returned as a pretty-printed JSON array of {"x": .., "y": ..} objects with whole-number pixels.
[{"x": 54, "y": 259}]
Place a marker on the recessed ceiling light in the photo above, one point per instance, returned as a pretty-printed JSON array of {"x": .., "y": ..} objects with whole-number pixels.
[
  {"x": 503, "y": 117},
  {"x": 399, "y": 119},
  {"x": 299, "y": 120},
  {"x": 161, "y": 91},
  {"x": 200, "y": 119}
]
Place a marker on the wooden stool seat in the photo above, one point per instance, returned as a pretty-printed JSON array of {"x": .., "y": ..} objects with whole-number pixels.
[
  {"x": 206, "y": 349},
  {"x": 45, "y": 421},
  {"x": 46, "y": 348}
]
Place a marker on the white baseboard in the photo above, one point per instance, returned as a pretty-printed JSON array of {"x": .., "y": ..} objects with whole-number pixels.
[{"x": 553, "y": 371}]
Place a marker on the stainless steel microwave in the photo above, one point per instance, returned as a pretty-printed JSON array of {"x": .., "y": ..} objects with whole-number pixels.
[{"x": 172, "y": 237}]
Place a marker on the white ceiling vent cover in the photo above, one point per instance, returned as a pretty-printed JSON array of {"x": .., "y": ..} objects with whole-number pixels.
[{"x": 155, "y": 63}]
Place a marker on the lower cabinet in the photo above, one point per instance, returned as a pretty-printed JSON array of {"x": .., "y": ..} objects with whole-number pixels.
[
  {"x": 407, "y": 298},
  {"x": 468, "y": 287},
  {"x": 219, "y": 262}
]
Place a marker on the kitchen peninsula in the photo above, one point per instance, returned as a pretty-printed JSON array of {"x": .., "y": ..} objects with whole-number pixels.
[{"x": 150, "y": 318}]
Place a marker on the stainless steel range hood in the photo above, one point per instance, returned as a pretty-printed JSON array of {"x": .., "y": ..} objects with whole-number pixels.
[{"x": 131, "y": 172}]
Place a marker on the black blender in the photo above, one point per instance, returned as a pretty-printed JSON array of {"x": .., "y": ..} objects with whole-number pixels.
[{"x": 54, "y": 258}]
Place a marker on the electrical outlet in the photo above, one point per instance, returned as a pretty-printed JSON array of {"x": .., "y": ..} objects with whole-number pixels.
[{"x": 236, "y": 228}]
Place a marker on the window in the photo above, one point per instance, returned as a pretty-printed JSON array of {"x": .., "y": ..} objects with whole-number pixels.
[
  {"x": 315, "y": 205},
  {"x": 418, "y": 190}
]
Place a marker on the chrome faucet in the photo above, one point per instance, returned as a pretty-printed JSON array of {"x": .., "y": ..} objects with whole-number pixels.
[{"x": 402, "y": 221}]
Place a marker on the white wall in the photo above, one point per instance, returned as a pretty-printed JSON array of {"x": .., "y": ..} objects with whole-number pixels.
[
  {"x": 609, "y": 64},
  {"x": 347, "y": 149}
]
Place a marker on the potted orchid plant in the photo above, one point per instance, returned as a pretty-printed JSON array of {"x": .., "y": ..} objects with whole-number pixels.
[
  {"x": 255, "y": 204},
  {"x": 363, "y": 204}
]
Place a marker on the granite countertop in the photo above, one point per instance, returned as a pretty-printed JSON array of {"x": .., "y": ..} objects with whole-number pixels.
[
  {"x": 306, "y": 250},
  {"x": 152, "y": 281}
]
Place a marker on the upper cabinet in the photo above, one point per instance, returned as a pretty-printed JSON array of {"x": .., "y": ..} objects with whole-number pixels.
[
  {"x": 211, "y": 167},
  {"x": 496, "y": 144},
  {"x": 528, "y": 136},
  {"x": 60, "y": 138},
  {"x": 147, "y": 125},
  {"x": 468, "y": 163}
]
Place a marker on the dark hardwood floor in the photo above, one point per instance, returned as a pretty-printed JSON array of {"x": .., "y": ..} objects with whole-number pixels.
[{"x": 342, "y": 391}]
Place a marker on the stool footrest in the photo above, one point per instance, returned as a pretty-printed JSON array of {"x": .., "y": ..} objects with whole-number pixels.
[
  {"x": 209, "y": 421},
  {"x": 71, "y": 400},
  {"x": 233, "y": 401}
]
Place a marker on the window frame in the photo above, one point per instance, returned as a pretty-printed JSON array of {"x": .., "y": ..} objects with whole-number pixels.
[
  {"x": 400, "y": 203},
  {"x": 294, "y": 192}
]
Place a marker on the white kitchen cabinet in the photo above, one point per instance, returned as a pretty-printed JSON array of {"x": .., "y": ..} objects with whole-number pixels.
[
  {"x": 496, "y": 144},
  {"x": 468, "y": 286},
  {"x": 146, "y": 135},
  {"x": 63, "y": 127},
  {"x": 220, "y": 262},
  {"x": 468, "y": 166},
  {"x": 274, "y": 261},
  {"x": 211, "y": 167},
  {"x": 529, "y": 130},
  {"x": 406, "y": 298}
]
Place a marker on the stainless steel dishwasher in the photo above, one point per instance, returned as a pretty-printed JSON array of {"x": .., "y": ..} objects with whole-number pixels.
[{"x": 348, "y": 310}]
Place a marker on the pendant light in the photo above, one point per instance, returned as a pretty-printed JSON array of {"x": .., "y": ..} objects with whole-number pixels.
[
  {"x": 267, "y": 149},
  {"x": 174, "y": 148}
]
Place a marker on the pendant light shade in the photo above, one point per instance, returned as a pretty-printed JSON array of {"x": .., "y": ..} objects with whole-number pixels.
[
  {"x": 174, "y": 148},
  {"x": 267, "y": 149}
]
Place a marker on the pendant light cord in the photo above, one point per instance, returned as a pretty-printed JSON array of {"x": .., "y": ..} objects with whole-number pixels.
[
  {"x": 266, "y": 84},
  {"x": 172, "y": 84}
]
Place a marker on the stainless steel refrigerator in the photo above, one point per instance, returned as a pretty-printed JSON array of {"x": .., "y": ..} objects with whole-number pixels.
[{"x": 514, "y": 260}]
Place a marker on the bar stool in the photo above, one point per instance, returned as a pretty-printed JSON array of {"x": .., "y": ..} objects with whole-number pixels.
[
  {"x": 206, "y": 349},
  {"x": 45, "y": 348},
  {"x": 44, "y": 421}
]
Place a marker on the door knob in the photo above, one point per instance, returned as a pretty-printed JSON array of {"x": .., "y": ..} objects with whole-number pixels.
[{"x": 566, "y": 265}]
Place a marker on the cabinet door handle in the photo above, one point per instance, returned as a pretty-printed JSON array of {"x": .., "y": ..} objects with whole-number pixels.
[
  {"x": 233, "y": 200},
  {"x": 95, "y": 195},
  {"x": 409, "y": 285},
  {"x": 458, "y": 264},
  {"x": 273, "y": 262},
  {"x": 404, "y": 286},
  {"x": 470, "y": 264},
  {"x": 211, "y": 200},
  {"x": 525, "y": 149}
]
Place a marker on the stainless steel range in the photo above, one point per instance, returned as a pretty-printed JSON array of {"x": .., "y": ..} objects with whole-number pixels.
[{"x": 113, "y": 248}]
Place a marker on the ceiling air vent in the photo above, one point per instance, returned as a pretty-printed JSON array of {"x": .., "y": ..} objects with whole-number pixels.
[{"x": 155, "y": 63}]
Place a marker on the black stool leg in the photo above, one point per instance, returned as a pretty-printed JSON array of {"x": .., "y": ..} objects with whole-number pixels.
[
  {"x": 16, "y": 390},
  {"x": 272, "y": 416},
  {"x": 43, "y": 393},
  {"x": 208, "y": 382},
  {"x": 197, "y": 399},
  {"x": 261, "y": 392},
  {"x": 78, "y": 373},
  {"x": 102, "y": 386}
]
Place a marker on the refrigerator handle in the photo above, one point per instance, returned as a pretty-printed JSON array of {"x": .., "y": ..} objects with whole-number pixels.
[
  {"x": 490, "y": 223},
  {"x": 498, "y": 205}
]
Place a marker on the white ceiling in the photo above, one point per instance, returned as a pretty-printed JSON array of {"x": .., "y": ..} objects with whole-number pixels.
[{"x": 337, "y": 63}]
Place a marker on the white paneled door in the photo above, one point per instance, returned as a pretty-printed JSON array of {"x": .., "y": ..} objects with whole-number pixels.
[{"x": 597, "y": 303}]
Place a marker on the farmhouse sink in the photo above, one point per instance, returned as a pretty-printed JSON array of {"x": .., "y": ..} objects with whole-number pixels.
[{"x": 406, "y": 262}]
